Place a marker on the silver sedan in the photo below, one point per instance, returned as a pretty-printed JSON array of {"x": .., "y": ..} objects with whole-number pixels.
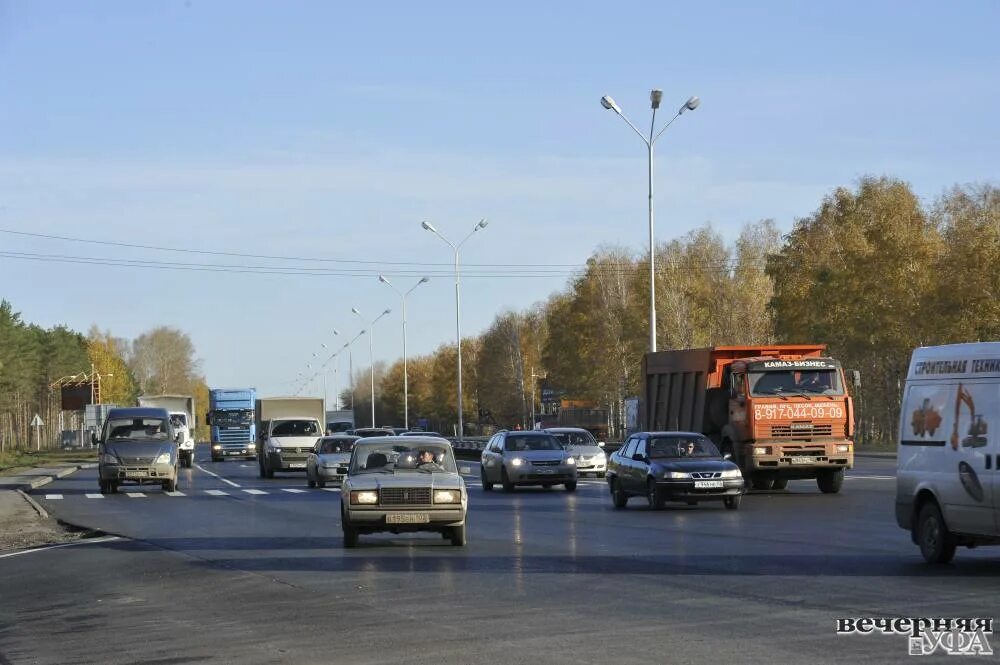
[{"x": 329, "y": 460}]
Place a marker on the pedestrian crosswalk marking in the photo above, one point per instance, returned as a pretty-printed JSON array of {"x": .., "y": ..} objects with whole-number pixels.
[
  {"x": 175, "y": 493},
  {"x": 292, "y": 490},
  {"x": 332, "y": 489},
  {"x": 135, "y": 495},
  {"x": 94, "y": 496},
  {"x": 255, "y": 491},
  {"x": 216, "y": 493}
]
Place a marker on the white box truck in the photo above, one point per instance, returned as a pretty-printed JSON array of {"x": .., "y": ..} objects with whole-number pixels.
[
  {"x": 181, "y": 410},
  {"x": 287, "y": 431}
]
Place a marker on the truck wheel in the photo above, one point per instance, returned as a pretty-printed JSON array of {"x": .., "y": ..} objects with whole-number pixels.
[
  {"x": 505, "y": 481},
  {"x": 260, "y": 467},
  {"x": 113, "y": 487},
  {"x": 653, "y": 496},
  {"x": 830, "y": 481},
  {"x": 570, "y": 486},
  {"x": 761, "y": 483},
  {"x": 937, "y": 544},
  {"x": 487, "y": 485},
  {"x": 458, "y": 536},
  {"x": 618, "y": 497},
  {"x": 733, "y": 502},
  {"x": 779, "y": 483}
]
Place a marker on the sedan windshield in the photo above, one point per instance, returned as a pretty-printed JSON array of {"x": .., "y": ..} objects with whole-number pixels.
[
  {"x": 137, "y": 429},
  {"x": 575, "y": 438},
  {"x": 341, "y": 444},
  {"x": 517, "y": 443},
  {"x": 402, "y": 458},
  {"x": 681, "y": 446}
]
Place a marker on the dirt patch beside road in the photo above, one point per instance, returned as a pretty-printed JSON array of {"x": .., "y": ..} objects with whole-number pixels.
[{"x": 22, "y": 526}]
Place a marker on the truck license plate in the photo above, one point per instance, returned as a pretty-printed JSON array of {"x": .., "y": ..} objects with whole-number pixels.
[
  {"x": 297, "y": 465},
  {"x": 407, "y": 518},
  {"x": 803, "y": 460},
  {"x": 135, "y": 474},
  {"x": 708, "y": 484}
]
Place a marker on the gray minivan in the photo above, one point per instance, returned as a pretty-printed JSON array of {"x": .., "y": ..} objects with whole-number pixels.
[{"x": 137, "y": 445}]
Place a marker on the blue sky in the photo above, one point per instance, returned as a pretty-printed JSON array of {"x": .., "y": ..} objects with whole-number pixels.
[{"x": 330, "y": 130}]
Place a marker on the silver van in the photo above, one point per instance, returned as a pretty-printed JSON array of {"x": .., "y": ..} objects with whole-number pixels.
[{"x": 947, "y": 483}]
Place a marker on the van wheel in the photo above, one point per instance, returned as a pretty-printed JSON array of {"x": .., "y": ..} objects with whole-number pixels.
[
  {"x": 105, "y": 487},
  {"x": 170, "y": 485},
  {"x": 570, "y": 486},
  {"x": 260, "y": 467},
  {"x": 779, "y": 483},
  {"x": 487, "y": 485},
  {"x": 830, "y": 482},
  {"x": 311, "y": 483},
  {"x": 937, "y": 544}
]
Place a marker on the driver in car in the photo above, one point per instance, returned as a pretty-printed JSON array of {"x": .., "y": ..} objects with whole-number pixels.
[
  {"x": 426, "y": 461},
  {"x": 686, "y": 449}
]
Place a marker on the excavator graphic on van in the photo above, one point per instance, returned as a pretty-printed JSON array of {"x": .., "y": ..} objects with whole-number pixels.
[
  {"x": 926, "y": 419},
  {"x": 977, "y": 426}
]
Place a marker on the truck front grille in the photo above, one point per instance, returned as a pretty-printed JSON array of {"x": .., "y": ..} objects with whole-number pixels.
[
  {"x": 801, "y": 430},
  {"x": 405, "y": 496}
]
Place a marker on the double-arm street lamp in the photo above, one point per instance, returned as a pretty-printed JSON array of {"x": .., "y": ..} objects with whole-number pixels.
[
  {"x": 655, "y": 97},
  {"x": 371, "y": 351},
  {"x": 458, "y": 308},
  {"x": 406, "y": 382}
]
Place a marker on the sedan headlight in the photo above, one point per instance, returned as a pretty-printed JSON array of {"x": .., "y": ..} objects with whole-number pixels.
[
  {"x": 108, "y": 459},
  {"x": 843, "y": 447},
  {"x": 447, "y": 496},
  {"x": 274, "y": 449},
  {"x": 162, "y": 458},
  {"x": 517, "y": 461},
  {"x": 364, "y": 497},
  {"x": 676, "y": 475},
  {"x": 216, "y": 446},
  {"x": 570, "y": 461},
  {"x": 764, "y": 450},
  {"x": 732, "y": 473}
]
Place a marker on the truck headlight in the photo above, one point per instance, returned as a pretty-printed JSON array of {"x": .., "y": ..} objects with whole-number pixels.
[
  {"x": 732, "y": 473},
  {"x": 763, "y": 450},
  {"x": 676, "y": 475},
  {"x": 216, "y": 446},
  {"x": 364, "y": 497},
  {"x": 162, "y": 458},
  {"x": 571, "y": 461},
  {"x": 517, "y": 461},
  {"x": 108, "y": 459},
  {"x": 843, "y": 447},
  {"x": 447, "y": 496}
]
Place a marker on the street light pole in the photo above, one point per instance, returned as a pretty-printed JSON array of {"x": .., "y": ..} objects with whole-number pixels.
[
  {"x": 350, "y": 367},
  {"x": 406, "y": 380},
  {"x": 655, "y": 96},
  {"x": 371, "y": 351},
  {"x": 458, "y": 309}
]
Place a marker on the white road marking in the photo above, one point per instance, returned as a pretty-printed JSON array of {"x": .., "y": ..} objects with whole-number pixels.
[
  {"x": 852, "y": 476},
  {"x": 94, "y": 496},
  {"x": 467, "y": 470},
  {"x": 225, "y": 480},
  {"x": 216, "y": 492},
  {"x": 135, "y": 495},
  {"x": 89, "y": 541},
  {"x": 53, "y": 497},
  {"x": 292, "y": 490},
  {"x": 175, "y": 493},
  {"x": 255, "y": 491}
]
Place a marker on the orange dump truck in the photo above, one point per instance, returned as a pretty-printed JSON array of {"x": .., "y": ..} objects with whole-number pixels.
[{"x": 782, "y": 412}]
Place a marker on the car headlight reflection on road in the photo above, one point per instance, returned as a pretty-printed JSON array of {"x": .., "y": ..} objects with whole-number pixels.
[
  {"x": 447, "y": 496},
  {"x": 676, "y": 475},
  {"x": 364, "y": 497},
  {"x": 163, "y": 458},
  {"x": 517, "y": 461},
  {"x": 732, "y": 473}
]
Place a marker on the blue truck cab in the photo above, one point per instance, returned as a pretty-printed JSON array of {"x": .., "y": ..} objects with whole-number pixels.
[{"x": 231, "y": 418}]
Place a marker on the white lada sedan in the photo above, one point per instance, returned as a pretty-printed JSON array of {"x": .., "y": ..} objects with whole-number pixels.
[{"x": 403, "y": 485}]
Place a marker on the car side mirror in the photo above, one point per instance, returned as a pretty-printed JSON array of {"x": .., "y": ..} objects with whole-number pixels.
[
  {"x": 93, "y": 438},
  {"x": 727, "y": 456},
  {"x": 600, "y": 443},
  {"x": 639, "y": 457}
]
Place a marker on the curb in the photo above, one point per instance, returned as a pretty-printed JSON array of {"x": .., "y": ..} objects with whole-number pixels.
[{"x": 34, "y": 504}]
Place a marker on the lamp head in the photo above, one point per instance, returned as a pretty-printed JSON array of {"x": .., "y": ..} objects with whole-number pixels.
[
  {"x": 355, "y": 311},
  {"x": 386, "y": 312},
  {"x": 610, "y": 104},
  {"x": 655, "y": 96},
  {"x": 428, "y": 227},
  {"x": 690, "y": 105},
  {"x": 424, "y": 280},
  {"x": 482, "y": 224}
]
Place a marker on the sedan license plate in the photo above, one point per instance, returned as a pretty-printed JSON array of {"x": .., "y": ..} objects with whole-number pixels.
[
  {"x": 407, "y": 518},
  {"x": 707, "y": 484},
  {"x": 803, "y": 460}
]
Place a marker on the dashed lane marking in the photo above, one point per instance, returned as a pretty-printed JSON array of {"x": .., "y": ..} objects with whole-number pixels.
[
  {"x": 135, "y": 495},
  {"x": 216, "y": 492},
  {"x": 292, "y": 490},
  {"x": 331, "y": 489},
  {"x": 252, "y": 491},
  {"x": 225, "y": 480},
  {"x": 175, "y": 493},
  {"x": 53, "y": 497},
  {"x": 94, "y": 496},
  {"x": 856, "y": 477}
]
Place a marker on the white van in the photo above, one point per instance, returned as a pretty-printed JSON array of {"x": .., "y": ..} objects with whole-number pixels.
[{"x": 947, "y": 484}]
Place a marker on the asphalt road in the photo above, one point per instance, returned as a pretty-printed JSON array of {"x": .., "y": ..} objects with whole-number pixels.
[{"x": 238, "y": 569}]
